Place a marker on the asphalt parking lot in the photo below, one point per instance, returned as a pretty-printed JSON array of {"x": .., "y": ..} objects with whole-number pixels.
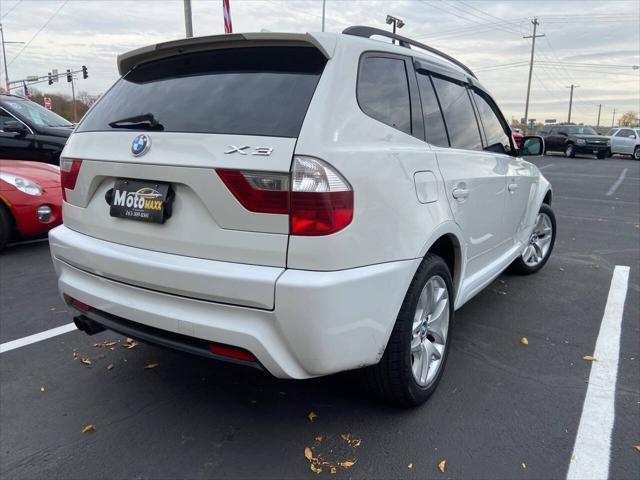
[{"x": 503, "y": 409}]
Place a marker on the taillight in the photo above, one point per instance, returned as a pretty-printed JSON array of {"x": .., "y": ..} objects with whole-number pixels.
[
  {"x": 321, "y": 199},
  {"x": 260, "y": 192},
  {"x": 69, "y": 170},
  {"x": 317, "y": 198}
]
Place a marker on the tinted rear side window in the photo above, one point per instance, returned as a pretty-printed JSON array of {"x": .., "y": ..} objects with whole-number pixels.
[
  {"x": 497, "y": 140},
  {"x": 435, "y": 131},
  {"x": 459, "y": 115},
  {"x": 249, "y": 91},
  {"x": 383, "y": 91}
]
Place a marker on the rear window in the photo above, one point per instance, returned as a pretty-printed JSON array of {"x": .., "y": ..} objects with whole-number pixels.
[{"x": 246, "y": 91}]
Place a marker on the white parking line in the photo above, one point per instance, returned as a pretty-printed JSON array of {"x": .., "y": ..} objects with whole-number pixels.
[
  {"x": 545, "y": 166},
  {"x": 591, "y": 452},
  {"x": 37, "y": 337},
  {"x": 617, "y": 183}
]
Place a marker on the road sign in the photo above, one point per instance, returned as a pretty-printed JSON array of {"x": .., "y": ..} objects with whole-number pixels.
[
  {"x": 32, "y": 78},
  {"x": 47, "y": 103},
  {"x": 550, "y": 120}
]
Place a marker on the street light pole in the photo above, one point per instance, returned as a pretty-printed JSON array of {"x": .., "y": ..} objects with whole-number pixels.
[
  {"x": 188, "y": 24},
  {"x": 599, "y": 110},
  {"x": 571, "y": 101},
  {"x": 4, "y": 59},
  {"x": 324, "y": 4},
  {"x": 396, "y": 22}
]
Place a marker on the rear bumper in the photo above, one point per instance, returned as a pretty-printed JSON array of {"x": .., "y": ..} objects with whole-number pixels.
[{"x": 321, "y": 322}]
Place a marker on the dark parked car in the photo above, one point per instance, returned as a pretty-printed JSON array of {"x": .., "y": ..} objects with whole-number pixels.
[
  {"x": 29, "y": 131},
  {"x": 572, "y": 139}
]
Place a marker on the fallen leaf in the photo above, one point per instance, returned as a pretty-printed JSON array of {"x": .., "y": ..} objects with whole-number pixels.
[
  {"x": 524, "y": 341},
  {"x": 318, "y": 438},
  {"x": 573, "y": 457},
  {"x": 442, "y": 465},
  {"x": 110, "y": 366},
  {"x": 589, "y": 358},
  {"x": 85, "y": 361},
  {"x": 308, "y": 454},
  {"x": 637, "y": 447},
  {"x": 347, "y": 463},
  {"x": 75, "y": 355},
  {"x": 315, "y": 469},
  {"x": 89, "y": 428},
  {"x": 410, "y": 466},
  {"x": 500, "y": 292},
  {"x": 312, "y": 416},
  {"x": 151, "y": 365},
  {"x": 523, "y": 465},
  {"x": 345, "y": 436},
  {"x": 333, "y": 470},
  {"x": 355, "y": 442}
]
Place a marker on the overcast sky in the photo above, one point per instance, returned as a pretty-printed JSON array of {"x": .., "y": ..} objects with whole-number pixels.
[{"x": 481, "y": 33}]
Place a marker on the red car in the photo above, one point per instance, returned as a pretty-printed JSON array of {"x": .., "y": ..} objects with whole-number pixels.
[
  {"x": 30, "y": 199},
  {"x": 517, "y": 138}
]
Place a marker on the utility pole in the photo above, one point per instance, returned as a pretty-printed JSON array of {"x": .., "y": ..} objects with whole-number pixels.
[
  {"x": 571, "y": 101},
  {"x": 613, "y": 118},
  {"x": 188, "y": 23},
  {"x": 533, "y": 48},
  {"x": 324, "y": 4},
  {"x": 599, "y": 110},
  {"x": 4, "y": 58}
]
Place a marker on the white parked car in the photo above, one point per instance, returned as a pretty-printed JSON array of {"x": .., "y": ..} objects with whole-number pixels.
[
  {"x": 303, "y": 203},
  {"x": 625, "y": 141}
]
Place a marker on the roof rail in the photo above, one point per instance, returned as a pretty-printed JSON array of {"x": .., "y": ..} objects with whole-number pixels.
[{"x": 368, "y": 32}]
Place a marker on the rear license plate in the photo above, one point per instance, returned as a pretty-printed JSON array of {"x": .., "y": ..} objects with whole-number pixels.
[{"x": 142, "y": 200}]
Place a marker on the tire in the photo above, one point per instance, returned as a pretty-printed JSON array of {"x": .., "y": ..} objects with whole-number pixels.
[
  {"x": 6, "y": 226},
  {"x": 525, "y": 264},
  {"x": 570, "y": 150},
  {"x": 636, "y": 153},
  {"x": 393, "y": 379}
]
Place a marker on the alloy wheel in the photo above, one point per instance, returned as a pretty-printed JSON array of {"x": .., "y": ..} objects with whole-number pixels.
[
  {"x": 539, "y": 242},
  {"x": 430, "y": 330}
]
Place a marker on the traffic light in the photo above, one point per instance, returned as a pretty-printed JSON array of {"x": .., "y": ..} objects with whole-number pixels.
[
  {"x": 69, "y": 76},
  {"x": 50, "y": 78},
  {"x": 85, "y": 75}
]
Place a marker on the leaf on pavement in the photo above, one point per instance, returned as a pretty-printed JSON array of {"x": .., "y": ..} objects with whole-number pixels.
[
  {"x": 315, "y": 469},
  {"x": 637, "y": 447},
  {"x": 110, "y": 366},
  {"x": 312, "y": 416},
  {"x": 523, "y": 465},
  {"x": 89, "y": 428},
  {"x": 150, "y": 366},
  {"x": 333, "y": 470},
  {"x": 524, "y": 341},
  {"x": 573, "y": 457},
  {"x": 85, "y": 361},
  {"x": 410, "y": 466},
  {"x": 318, "y": 438},
  {"x": 442, "y": 465},
  {"x": 131, "y": 343},
  {"x": 42, "y": 389},
  {"x": 589, "y": 358},
  {"x": 347, "y": 463}
]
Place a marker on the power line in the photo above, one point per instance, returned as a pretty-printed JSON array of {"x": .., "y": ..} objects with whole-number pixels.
[
  {"x": 11, "y": 9},
  {"x": 38, "y": 32}
]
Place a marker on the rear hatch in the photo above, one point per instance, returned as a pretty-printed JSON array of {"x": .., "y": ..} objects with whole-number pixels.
[{"x": 171, "y": 127}]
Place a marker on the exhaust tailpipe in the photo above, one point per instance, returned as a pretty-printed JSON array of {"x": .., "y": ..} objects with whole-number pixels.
[{"x": 87, "y": 325}]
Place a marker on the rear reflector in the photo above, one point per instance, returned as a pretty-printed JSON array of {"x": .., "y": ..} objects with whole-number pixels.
[
  {"x": 232, "y": 352},
  {"x": 69, "y": 170},
  {"x": 78, "y": 304},
  {"x": 318, "y": 200}
]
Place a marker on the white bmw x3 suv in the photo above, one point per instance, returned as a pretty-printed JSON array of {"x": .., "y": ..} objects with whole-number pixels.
[{"x": 303, "y": 203}]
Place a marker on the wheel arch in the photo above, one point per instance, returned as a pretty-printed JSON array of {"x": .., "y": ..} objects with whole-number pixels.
[{"x": 446, "y": 242}]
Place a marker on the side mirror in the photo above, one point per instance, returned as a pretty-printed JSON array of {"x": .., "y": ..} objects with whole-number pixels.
[
  {"x": 14, "y": 126},
  {"x": 532, "y": 146}
]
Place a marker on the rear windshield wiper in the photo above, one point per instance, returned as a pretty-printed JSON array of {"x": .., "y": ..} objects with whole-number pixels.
[{"x": 145, "y": 121}]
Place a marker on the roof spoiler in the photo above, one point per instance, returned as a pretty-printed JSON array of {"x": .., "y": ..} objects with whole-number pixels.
[
  {"x": 368, "y": 32},
  {"x": 129, "y": 60}
]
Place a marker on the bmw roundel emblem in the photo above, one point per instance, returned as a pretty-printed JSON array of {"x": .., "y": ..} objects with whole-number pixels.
[{"x": 140, "y": 145}]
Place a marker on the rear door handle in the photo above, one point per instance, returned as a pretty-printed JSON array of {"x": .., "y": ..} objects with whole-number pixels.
[
  {"x": 513, "y": 187},
  {"x": 460, "y": 193}
]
